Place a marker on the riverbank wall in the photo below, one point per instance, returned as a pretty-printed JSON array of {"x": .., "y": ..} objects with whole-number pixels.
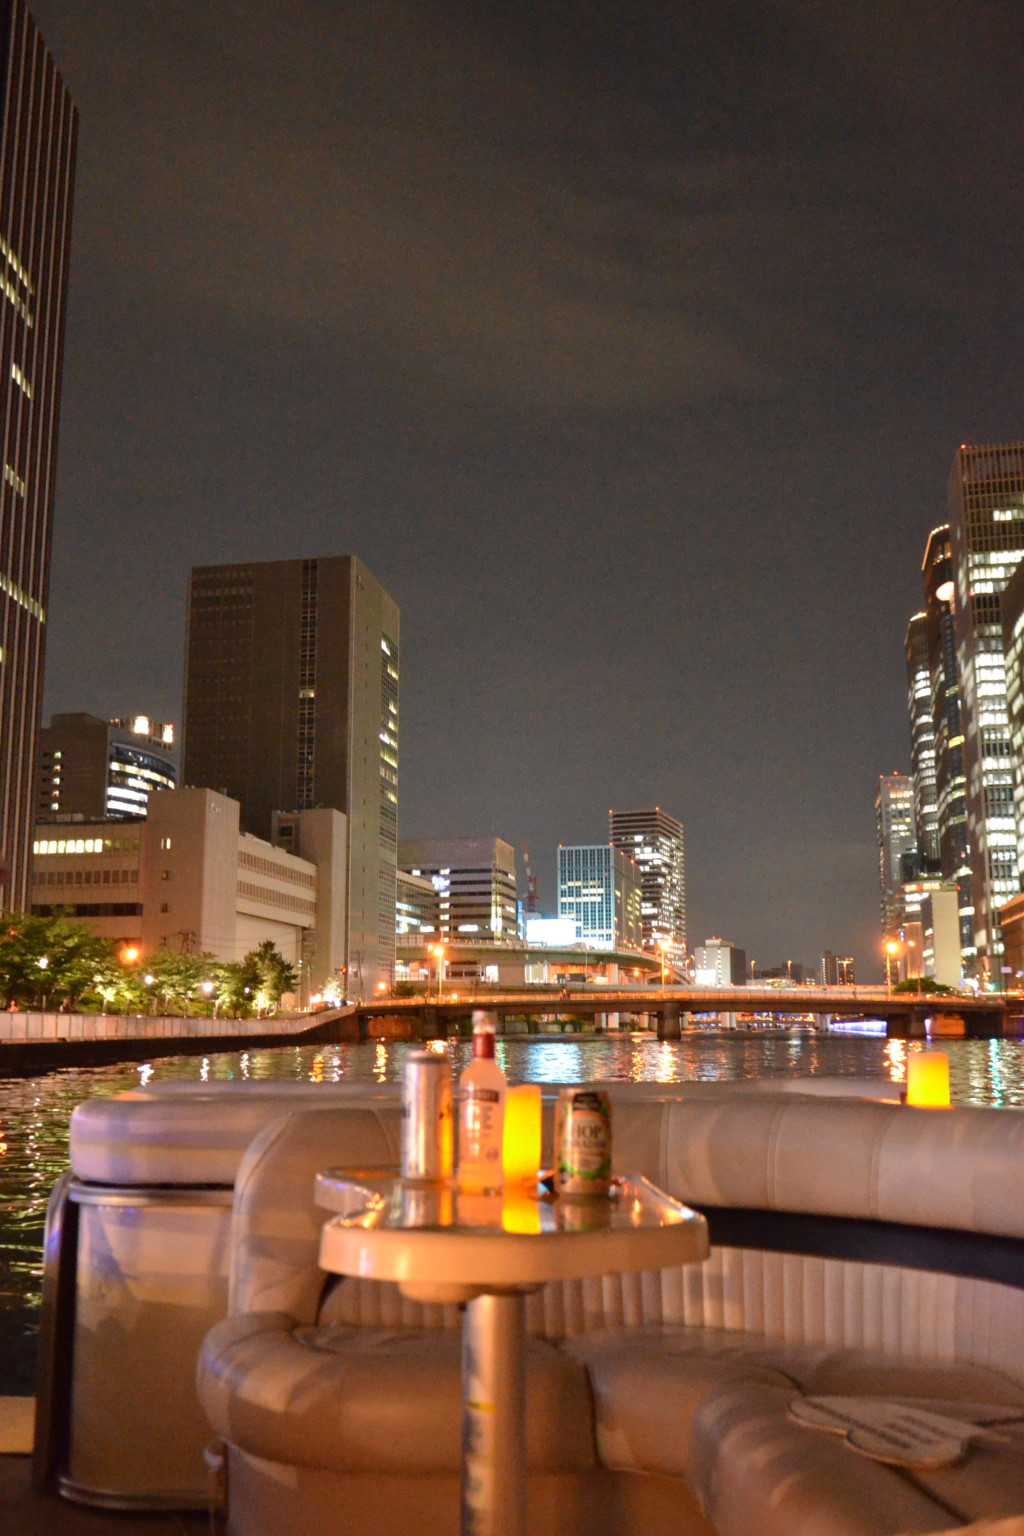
[
  {"x": 43, "y": 1042},
  {"x": 62, "y": 1028}
]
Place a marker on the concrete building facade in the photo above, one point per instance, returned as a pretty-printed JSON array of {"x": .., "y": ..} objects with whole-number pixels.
[
  {"x": 719, "y": 963},
  {"x": 38, "y": 134},
  {"x": 93, "y": 769},
  {"x": 475, "y": 880},
  {"x": 656, "y": 841},
  {"x": 188, "y": 878},
  {"x": 940, "y": 936},
  {"x": 600, "y": 889},
  {"x": 417, "y": 907},
  {"x": 291, "y": 704}
]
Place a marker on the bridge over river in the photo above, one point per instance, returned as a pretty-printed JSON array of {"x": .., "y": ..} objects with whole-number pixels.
[{"x": 906, "y": 1015}]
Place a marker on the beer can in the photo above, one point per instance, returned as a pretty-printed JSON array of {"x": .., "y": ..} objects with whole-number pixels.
[
  {"x": 427, "y": 1134},
  {"x": 583, "y": 1142}
]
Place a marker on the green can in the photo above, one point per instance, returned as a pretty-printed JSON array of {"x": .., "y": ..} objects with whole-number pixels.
[{"x": 583, "y": 1142}]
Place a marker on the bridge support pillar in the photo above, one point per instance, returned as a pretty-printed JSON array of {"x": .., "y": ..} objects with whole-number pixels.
[
  {"x": 600, "y": 1023},
  {"x": 669, "y": 1022},
  {"x": 433, "y": 1024},
  {"x": 906, "y": 1025},
  {"x": 988, "y": 1024}
]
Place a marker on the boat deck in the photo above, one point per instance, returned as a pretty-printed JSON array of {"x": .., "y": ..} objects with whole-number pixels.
[{"x": 33, "y": 1514}]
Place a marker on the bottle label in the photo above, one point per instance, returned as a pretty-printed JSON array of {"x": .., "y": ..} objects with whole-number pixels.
[
  {"x": 583, "y": 1140},
  {"x": 479, "y": 1130}
]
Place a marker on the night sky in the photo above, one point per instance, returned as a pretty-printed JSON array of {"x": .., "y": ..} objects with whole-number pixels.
[{"x": 629, "y": 345}]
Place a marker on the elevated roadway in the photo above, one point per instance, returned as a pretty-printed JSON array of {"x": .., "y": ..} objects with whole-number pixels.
[{"x": 905, "y": 1014}]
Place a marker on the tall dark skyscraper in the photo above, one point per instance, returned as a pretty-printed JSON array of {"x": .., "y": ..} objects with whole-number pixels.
[
  {"x": 291, "y": 702},
  {"x": 38, "y": 133}
]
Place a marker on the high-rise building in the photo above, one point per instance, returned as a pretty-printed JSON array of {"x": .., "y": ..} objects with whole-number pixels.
[
  {"x": 655, "y": 841},
  {"x": 950, "y": 780},
  {"x": 986, "y": 492},
  {"x": 939, "y": 921},
  {"x": 291, "y": 703},
  {"x": 1013, "y": 653},
  {"x": 836, "y": 970},
  {"x": 922, "y": 739},
  {"x": 91, "y": 769},
  {"x": 417, "y": 908},
  {"x": 897, "y": 837},
  {"x": 599, "y": 888},
  {"x": 38, "y": 133},
  {"x": 719, "y": 963},
  {"x": 475, "y": 880}
]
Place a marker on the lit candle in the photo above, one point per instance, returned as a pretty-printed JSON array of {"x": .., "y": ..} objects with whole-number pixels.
[
  {"x": 928, "y": 1079},
  {"x": 520, "y": 1147}
]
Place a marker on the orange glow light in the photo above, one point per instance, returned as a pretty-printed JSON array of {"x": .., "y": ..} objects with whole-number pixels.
[
  {"x": 520, "y": 1147},
  {"x": 928, "y": 1079}
]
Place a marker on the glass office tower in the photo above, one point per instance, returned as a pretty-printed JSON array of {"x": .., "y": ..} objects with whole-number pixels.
[
  {"x": 986, "y": 493},
  {"x": 922, "y": 739},
  {"x": 950, "y": 779},
  {"x": 599, "y": 888},
  {"x": 897, "y": 839},
  {"x": 38, "y": 131}
]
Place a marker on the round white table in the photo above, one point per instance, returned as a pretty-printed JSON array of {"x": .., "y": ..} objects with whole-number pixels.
[{"x": 443, "y": 1244}]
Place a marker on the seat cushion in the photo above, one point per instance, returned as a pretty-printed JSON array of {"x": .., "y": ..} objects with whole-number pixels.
[
  {"x": 375, "y": 1399},
  {"x": 712, "y": 1407}
]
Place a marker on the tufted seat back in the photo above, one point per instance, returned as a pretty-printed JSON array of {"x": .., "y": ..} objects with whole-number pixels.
[{"x": 962, "y": 1168}]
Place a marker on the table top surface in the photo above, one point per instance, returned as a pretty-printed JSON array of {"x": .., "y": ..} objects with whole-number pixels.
[{"x": 438, "y": 1238}]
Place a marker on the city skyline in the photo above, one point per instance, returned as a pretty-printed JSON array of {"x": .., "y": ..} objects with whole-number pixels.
[{"x": 628, "y": 401}]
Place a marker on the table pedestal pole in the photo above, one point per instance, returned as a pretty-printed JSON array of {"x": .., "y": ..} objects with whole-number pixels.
[{"x": 494, "y": 1417}]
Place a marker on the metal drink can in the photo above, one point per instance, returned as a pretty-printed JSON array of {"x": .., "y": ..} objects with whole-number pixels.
[
  {"x": 427, "y": 1133},
  {"x": 583, "y": 1142}
]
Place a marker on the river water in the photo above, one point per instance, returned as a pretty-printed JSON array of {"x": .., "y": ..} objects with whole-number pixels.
[{"x": 34, "y": 1111}]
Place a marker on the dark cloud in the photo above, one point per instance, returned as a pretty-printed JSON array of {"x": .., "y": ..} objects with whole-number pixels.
[{"x": 629, "y": 345}]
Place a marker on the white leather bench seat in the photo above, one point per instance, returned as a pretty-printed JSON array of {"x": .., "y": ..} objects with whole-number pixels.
[
  {"x": 689, "y": 1371},
  {"x": 199, "y": 1137},
  {"x": 376, "y": 1400},
  {"x": 711, "y": 1407}
]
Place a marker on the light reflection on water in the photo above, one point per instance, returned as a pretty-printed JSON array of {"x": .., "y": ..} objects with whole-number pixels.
[{"x": 34, "y": 1112}]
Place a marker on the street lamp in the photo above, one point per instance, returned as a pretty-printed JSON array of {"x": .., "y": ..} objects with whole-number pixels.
[
  {"x": 892, "y": 949},
  {"x": 437, "y": 950},
  {"x": 911, "y": 944},
  {"x": 662, "y": 944}
]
